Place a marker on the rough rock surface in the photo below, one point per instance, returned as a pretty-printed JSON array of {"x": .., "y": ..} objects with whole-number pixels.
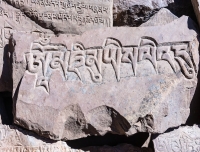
[
  {"x": 153, "y": 4},
  {"x": 16, "y": 139},
  {"x": 106, "y": 80},
  {"x": 131, "y": 15},
  {"x": 184, "y": 139},
  {"x": 135, "y": 12},
  {"x": 162, "y": 17}
]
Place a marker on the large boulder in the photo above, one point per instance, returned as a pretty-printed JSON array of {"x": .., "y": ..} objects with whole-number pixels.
[{"x": 119, "y": 80}]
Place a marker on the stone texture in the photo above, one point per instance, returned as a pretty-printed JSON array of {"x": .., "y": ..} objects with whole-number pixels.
[
  {"x": 184, "y": 139},
  {"x": 162, "y": 17},
  {"x": 153, "y": 4},
  {"x": 131, "y": 15},
  {"x": 106, "y": 80},
  {"x": 72, "y": 17},
  {"x": 134, "y": 12}
]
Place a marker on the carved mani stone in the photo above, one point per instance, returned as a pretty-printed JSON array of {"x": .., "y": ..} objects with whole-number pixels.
[
  {"x": 67, "y": 16},
  {"x": 119, "y": 80},
  {"x": 181, "y": 139}
]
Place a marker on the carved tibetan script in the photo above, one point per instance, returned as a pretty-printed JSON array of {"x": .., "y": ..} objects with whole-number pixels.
[
  {"x": 76, "y": 14},
  {"x": 183, "y": 139},
  {"x": 45, "y": 57}
]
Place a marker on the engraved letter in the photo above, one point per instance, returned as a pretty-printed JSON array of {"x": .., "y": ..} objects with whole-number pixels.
[
  {"x": 163, "y": 54},
  {"x": 130, "y": 55},
  {"x": 184, "y": 60},
  {"x": 112, "y": 54},
  {"x": 147, "y": 50},
  {"x": 76, "y": 59}
]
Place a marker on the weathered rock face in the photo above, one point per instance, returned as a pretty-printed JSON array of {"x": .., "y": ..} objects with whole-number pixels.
[
  {"x": 134, "y": 12},
  {"x": 106, "y": 80},
  {"x": 182, "y": 139},
  {"x": 162, "y": 17},
  {"x": 72, "y": 17},
  {"x": 153, "y": 4},
  {"x": 131, "y": 15}
]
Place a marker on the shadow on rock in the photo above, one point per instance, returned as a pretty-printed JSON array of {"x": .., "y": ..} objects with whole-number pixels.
[{"x": 137, "y": 140}]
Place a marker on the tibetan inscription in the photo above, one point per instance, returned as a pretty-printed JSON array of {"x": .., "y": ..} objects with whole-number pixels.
[
  {"x": 45, "y": 57},
  {"x": 66, "y": 15},
  {"x": 182, "y": 139},
  {"x": 120, "y": 80}
]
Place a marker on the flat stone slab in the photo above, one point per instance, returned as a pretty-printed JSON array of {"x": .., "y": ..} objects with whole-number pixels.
[
  {"x": 119, "y": 80},
  {"x": 181, "y": 139},
  {"x": 71, "y": 16}
]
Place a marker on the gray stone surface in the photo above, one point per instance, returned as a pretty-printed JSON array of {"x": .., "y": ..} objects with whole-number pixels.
[
  {"x": 183, "y": 139},
  {"x": 153, "y": 4},
  {"x": 162, "y": 17},
  {"x": 135, "y": 12},
  {"x": 106, "y": 80}
]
